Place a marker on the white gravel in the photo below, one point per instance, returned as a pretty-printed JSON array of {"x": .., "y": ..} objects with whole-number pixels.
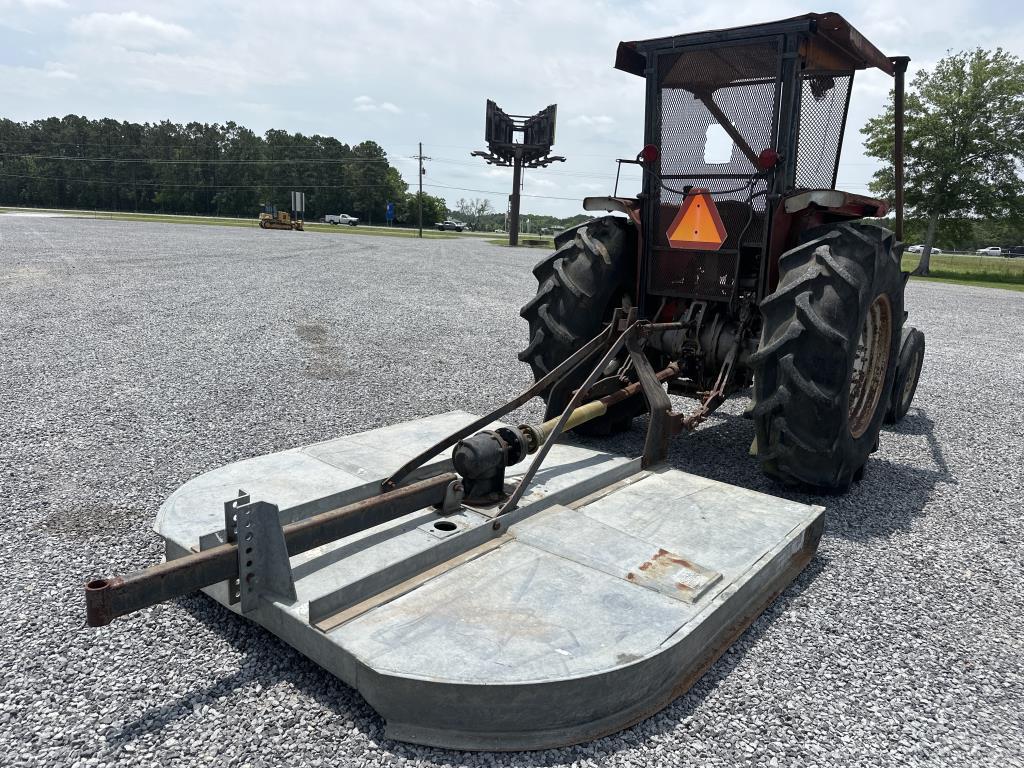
[{"x": 136, "y": 356}]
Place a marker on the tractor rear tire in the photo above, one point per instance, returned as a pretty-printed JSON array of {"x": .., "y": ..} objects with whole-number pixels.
[
  {"x": 908, "y": 372},
  {"x": 579, "y": 287},
  {"x": 827, "y": 358}
]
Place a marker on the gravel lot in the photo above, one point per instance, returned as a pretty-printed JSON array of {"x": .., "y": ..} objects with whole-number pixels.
[{"x": 136, "y": 356}]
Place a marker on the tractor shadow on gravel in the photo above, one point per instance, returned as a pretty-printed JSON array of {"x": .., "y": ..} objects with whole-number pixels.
[{"x": 887, "y": 499}]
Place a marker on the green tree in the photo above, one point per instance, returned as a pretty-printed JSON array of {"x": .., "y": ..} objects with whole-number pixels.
[
  {"x": 963, "y": 144},
  {"x": 373, "y": 181},
  {"x": 74, "y": 162},
  {"x": 434, "y": 209}
]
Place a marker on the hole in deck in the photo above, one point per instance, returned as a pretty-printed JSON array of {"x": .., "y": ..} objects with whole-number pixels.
[{"x": 445, "y": 525}]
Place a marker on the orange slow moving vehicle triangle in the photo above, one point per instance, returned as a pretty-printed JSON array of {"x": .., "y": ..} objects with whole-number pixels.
[{"x": 698, "y": 224}]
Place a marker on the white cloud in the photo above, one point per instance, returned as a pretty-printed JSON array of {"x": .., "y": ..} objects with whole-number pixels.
[
  {"x": 55, "y": 70},
  {"x": 534, "y": 181},
  {"x": 33, "y": 5},
  {"x": 368, "y": 104},
  {"x": 422, "y": 71},
  {"x": 23, "y": 84},
  {"x": 129, "y": 30},
  {"x": 592, "y": 120}
]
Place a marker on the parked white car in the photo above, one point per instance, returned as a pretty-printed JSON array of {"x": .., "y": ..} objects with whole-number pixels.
[
  {"x": 341, "y": 218},
  {"x": 920, "y": 249},
  {"x": 992, "y": 250},
  {"x": 450, "y": 224}
]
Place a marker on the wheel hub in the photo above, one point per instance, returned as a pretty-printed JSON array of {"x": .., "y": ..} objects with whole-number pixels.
[
  {"x": 870, "y": 364},
  {"x": 911, "y": 380}
]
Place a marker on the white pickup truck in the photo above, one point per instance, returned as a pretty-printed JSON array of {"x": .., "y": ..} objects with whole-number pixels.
[{"x": 340, "y": 218}]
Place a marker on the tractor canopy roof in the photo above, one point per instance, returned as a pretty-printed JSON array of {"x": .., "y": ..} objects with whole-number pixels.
[{"x": 830, "y": 44}]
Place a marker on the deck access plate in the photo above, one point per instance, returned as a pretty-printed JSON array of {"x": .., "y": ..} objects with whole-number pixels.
[{"x": 610, "y": 593}]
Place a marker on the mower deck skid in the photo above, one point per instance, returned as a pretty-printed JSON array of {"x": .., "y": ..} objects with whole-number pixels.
[{"x": 602, "y": 597}]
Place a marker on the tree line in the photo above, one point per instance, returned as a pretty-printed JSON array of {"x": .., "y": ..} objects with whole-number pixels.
[{"x": 198, "y": 168}]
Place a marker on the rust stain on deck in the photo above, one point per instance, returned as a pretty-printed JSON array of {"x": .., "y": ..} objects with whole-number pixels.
[{"x": 669, "y": 572}]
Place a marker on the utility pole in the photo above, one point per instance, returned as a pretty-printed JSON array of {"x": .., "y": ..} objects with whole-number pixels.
[
  {"x": 517, "y": 170},
  {"x": 421, "y": 158}
]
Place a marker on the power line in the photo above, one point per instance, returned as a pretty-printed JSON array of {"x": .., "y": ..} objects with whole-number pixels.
[
  {"x": 503, "y": 194},
  {"x": 161, "y": 161},
  {"x": 136, "y": 145},
  {"x": 556, "y": 172},
  {"x": 604, "y": 155},
  {"x": 130, "y": 183}
]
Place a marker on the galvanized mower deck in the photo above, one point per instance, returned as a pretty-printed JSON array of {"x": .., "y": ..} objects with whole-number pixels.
[
  {"x": 602, "y": 597},
  {"x": 486, "y": 607}
]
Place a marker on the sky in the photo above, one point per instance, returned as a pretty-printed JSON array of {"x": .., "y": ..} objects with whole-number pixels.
[{"x": 406, "y": 71}]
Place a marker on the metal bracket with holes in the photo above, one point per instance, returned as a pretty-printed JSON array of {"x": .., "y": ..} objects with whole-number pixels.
[
  {"x": 263, "y": 566},
  {"x": 231, "y": 537}
]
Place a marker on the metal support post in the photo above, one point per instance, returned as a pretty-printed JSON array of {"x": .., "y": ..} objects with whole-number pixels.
[
  {"x": 900, "y": 63},
  {"x": 517, "y": 178}
]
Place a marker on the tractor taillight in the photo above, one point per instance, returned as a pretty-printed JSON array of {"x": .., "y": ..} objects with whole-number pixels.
[
  {"x": 768, "y": 159},
  {"x": 649, "y": 153}
]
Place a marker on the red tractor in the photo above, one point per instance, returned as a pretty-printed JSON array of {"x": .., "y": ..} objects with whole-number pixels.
[{"x": 740, "y": 263}]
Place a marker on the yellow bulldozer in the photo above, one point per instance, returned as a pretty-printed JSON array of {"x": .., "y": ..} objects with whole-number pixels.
[{"x": 271, "y": 218}]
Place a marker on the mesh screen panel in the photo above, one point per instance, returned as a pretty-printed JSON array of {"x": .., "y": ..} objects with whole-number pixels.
[
  {"x": 736, "y": 216},
  {"x": 740, "y": 81},
  {"x": 823, "y": 104},
  {"x": 693, "y": 274}
]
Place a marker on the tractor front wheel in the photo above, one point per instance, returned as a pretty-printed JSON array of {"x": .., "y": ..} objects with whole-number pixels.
[
  {"x": 908, "y": 372},
  {"x": 824, "y": 370}
]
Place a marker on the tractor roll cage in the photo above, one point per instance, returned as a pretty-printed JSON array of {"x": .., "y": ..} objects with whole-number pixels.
[
  {"x": 782, "y": 88},
  {"x": 835, "y": 45}
]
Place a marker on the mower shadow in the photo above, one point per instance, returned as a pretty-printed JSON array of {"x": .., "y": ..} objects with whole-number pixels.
[
  {"x": 266, "y": 661},
  {"x": 885, "y": 501}
]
